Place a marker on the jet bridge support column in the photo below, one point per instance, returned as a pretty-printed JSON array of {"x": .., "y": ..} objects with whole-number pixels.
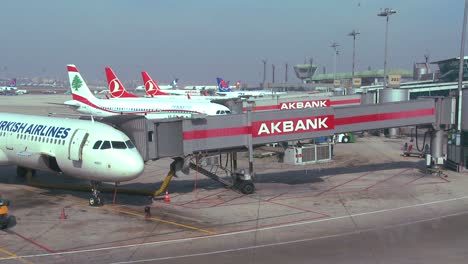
[{"x": 436, "y": 148}]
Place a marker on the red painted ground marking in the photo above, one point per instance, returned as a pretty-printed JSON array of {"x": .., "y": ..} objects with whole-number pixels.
[
  {"x": 204, "y": 197},
  {"x": 227, "y": 201},
  {"x": 274, "y": 197},
  {"x": 334, "y": 187},
  {"x": 301, "y": 209},
  {"x": 412, "y": 180},
  {"x": 209, "y": 201},
  {"x": 443, "y": 178},
  {"x": 33, "y": 242},
  {"x": 384, "y": 180}
]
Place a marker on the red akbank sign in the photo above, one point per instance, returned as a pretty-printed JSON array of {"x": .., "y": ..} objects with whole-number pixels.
[
  {"x": 292, "y": 126},
  {"x": 305, "y": 104}
]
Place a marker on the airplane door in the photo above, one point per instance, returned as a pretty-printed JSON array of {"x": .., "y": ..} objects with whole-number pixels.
[{"x": 75, "y": 149}]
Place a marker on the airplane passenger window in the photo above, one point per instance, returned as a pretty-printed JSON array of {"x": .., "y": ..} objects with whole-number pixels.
[
  {"x": 129, "y": 144},
  {"x": 106, "y": 145},
  {"x": 118, "y": 145},
  {"x": 97, "y": 144}
]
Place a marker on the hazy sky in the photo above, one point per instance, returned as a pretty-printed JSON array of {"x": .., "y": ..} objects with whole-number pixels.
[{"x": 199, "y": 40}]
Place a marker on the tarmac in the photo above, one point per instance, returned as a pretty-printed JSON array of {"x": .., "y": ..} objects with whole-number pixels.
[{"x": 369, "y": 205}]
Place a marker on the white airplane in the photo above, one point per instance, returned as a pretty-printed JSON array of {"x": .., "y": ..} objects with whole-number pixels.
[
  {"x": 153, "y": 90},
  {"x": 85, "y": 102},
  {"x": 79, "y": 148},
  {"x": 225, "y": 90},
  {"x": 12, "y": 89},
  {"x": 173, "y": 85}
]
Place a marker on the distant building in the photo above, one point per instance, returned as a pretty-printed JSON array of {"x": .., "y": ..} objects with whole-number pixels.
[
  {"x": 369, "y": 77},
  {"x": 448, "y": 69}
]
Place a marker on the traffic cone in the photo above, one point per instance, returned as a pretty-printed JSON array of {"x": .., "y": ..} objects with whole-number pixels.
[
  {"x": 63, "y": 216},
  {"x": 166, "y": 197}
]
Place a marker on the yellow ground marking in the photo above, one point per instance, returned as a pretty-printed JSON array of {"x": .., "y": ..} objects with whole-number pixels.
[
  {"x": 127, "y": 212},
  {"x": 10, "y": 254},
  {"x": 162, "y": 221}
]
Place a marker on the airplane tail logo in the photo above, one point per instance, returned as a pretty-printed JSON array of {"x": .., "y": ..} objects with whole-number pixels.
[
  {"x": 223, "y": 86},
  {"x": 151, "y": 86},
  {"x": 116, "y": 88},
  {"x": 174, "y": 83},
  {"x": 13, "y": 82},
  {"x": 80, "y": 90}
]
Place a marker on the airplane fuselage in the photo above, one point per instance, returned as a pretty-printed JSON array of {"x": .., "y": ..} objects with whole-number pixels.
[
  {"x": 68, "y": 146},
  {"x": 156, "y": 107}
]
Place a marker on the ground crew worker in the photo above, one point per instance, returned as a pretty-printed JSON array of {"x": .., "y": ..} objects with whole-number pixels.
[
  {"x": 4, "y": 217},
  {"x": 3, "y": 208}
]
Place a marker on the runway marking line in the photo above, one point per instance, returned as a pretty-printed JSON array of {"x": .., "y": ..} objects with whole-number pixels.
[
  {"x": 189, "y": 239},
  {"x": 217, "y": 252},
  {"x": 12, "y": 255}
]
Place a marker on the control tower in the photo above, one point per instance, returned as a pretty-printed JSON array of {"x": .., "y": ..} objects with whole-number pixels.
[{"x": 305, "y": 71}]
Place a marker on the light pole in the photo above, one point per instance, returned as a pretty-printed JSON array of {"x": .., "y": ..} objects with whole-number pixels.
[
  {"x": 286, "y": 72},
  {"x": 273, "y": 73},
  {"x": 387, "y": 12},
  {"x": 335, "y": 46},
  {"x": 264, "y": 70},
  {"x": 460, "y": 71},
  {"x": 354, "y": 33}
]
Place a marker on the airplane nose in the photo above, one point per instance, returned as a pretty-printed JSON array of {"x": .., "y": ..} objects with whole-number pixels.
[{"x": 131, "y": 167}]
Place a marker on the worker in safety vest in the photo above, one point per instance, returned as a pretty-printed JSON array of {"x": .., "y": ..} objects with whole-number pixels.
[{"x": 3, "y": 208}]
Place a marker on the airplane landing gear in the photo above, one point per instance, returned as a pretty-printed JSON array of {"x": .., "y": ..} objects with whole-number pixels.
[
  {"x": 23, "y": 172},
  {"x": 95, "y": 199},
  {"x": 243, "y": 181}
]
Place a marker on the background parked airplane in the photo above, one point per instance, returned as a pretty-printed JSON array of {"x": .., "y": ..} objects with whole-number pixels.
[
  {"x": 173, "y": 85},
  {"x": 85, "y": 102},
  {"x": 224, "y": 89}
]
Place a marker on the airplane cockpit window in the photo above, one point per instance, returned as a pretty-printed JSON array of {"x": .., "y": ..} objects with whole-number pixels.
[
  {"x": 97, "y": 144},
  {"x": 129, "y": 144},
  {"x": 106, "y": 145},
  {"x": 118, "y": 145}
]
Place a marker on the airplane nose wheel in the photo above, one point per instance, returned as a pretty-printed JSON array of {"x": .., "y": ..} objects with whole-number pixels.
[{"x": 95, "y": 199}]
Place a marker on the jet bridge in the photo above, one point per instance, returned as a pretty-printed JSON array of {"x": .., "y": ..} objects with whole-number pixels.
[{"x": 182, "y": 138}]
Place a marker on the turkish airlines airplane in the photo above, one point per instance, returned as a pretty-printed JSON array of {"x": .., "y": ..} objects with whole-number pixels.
[
  {"x": 173, "y": 85},
  {"x": 152, "y": 90},
  {"x": 85, "y": 102},
  {"x": 80, "y": 148}
]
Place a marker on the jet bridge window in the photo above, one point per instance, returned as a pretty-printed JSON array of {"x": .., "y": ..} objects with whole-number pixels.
[
  {"x": 118, "y": 145},
  {"x": 106, "y": 145}
]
